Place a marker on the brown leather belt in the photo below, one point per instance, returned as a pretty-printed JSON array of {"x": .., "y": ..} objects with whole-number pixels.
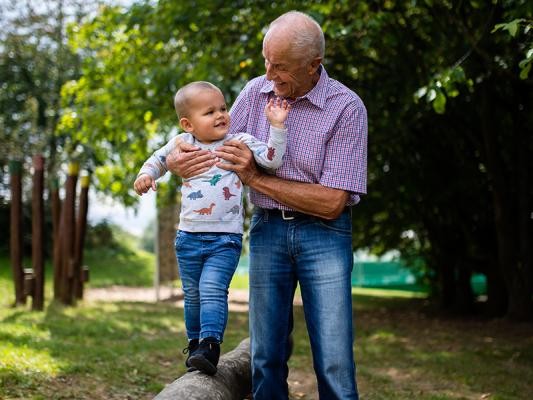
[{"x": 285, "y": 214}]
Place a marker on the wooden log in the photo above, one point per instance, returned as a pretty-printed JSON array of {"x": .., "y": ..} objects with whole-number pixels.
[
  {"x": 233, "y": 380},
  {"x": 81, "y": 228},
  {"x": 15, "y": 168},
  {"x": 56, "y": 222},
  {"x": 29, "y": 282},
  {"x": 67, "y": 236},
  {"x": 37, "y": 232}
]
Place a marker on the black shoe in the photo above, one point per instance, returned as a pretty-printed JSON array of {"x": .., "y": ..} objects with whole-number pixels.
[
  {"x": 205, "y": 359},
  {"x": 190, "y": 349}
]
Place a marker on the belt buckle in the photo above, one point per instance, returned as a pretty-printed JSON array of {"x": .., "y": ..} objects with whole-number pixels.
[{"x": 286, "y": 218}]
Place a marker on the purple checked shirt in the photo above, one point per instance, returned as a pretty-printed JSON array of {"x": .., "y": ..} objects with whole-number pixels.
[{"x": 327, "y": 135}]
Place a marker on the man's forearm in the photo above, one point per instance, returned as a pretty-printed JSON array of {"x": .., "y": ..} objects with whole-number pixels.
[{"x": 309, "y": 198}]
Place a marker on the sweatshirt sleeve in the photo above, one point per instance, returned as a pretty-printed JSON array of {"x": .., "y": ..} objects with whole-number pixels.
[
  {"x": 156, "y": 165},
  {"x": 267, "y": 155}
]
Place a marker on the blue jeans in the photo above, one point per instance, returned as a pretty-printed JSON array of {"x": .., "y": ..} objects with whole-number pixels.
[
  {"x": 206, "y": 263},
  {"x": 317, "y": 254}
]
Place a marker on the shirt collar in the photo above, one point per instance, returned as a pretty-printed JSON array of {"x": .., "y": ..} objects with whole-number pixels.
[{"x": 317, "y": 95}]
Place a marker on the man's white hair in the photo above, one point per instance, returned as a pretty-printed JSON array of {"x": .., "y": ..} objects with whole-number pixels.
[{"x": 305, "y": 34}]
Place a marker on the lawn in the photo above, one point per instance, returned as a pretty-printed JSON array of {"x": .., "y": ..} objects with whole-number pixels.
[{"x": 126, "y": 350}]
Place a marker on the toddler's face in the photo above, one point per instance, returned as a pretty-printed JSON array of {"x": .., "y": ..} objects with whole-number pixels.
[{"x": 208, "y": 116}]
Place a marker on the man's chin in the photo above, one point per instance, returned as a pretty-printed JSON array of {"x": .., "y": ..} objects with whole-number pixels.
[{"x": 281, "y": 91}]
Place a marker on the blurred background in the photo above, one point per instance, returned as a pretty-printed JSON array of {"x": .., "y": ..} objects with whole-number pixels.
[{"x": 447, "y": 86}]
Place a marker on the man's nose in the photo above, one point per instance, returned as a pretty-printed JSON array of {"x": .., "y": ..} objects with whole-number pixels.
[{"x": 270, "y": 72}]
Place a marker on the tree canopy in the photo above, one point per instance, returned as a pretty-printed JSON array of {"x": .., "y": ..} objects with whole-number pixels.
[{"x": 447, "y": 86}]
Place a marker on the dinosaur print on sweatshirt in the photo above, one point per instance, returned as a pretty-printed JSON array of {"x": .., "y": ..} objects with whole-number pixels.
[
  {"x": 227, "y": 194},
  {"x": 234, "y": 210},
  {"x": 195, "y": 195},
  {"x": 212, "y": 201},
  {"x": 205, "y": 211},
  {"x": 271, "y": 153},
  {"x": 214, "y": 180}
]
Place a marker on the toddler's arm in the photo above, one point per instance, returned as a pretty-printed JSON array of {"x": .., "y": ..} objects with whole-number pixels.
[
  {"x": 270, "y": 155},
  {"x": 153, "y": 168}
]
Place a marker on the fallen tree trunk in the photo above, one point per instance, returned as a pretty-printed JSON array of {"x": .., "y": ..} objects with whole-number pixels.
[{"x": 233, "y": 380}]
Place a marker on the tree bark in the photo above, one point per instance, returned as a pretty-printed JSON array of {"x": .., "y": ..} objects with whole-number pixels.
[
  {"x": 56, "y": 225},
  {"x": 81, "y": 229},
  {"x": 510, "y": 199},
  {"x": 15, "y": 168},
  {"x": 67, "y": 239},
  {"x": 497, "y": 297},
  {"x": 233, "y": 380},
  {"x": 37, "y": 237}
]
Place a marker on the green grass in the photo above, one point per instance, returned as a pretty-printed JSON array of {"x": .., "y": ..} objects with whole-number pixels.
[
  {"x": 404, "y": 348},
  {"x": 123, "y": 264}
]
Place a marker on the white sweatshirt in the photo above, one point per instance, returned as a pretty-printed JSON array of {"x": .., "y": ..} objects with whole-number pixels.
[{"x": 212, "y": 201}]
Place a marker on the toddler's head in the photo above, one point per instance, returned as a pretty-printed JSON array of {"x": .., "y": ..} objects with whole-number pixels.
[{"x": 202, "y": 111}]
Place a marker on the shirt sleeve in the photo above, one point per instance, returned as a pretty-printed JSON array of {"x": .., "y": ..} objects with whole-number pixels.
[
  {"x": 345, "y": 165},
  {"x": 268, "y": 155},
  {"x": 156, "y": 165}
]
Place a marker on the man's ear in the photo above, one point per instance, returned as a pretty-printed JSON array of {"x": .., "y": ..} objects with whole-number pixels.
[
  {"x": 185, "y": 124},
  {"x": 313, "y": 66}
]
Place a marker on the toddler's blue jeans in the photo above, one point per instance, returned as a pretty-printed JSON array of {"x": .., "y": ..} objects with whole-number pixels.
[{"x": 206, "y": 263}]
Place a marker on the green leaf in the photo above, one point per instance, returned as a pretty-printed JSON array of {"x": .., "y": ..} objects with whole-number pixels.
[
  {"x": 439, "y": 104},
  {"x": 512, "y": 27}
]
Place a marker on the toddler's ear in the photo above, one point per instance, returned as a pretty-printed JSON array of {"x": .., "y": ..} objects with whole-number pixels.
[{"x": 185, "y": 124}]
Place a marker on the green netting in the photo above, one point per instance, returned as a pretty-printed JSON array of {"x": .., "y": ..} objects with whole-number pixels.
[{"x": 385, "y": 274}]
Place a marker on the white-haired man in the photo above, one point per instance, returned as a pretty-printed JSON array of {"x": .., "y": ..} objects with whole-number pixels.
[{"x": 301, "y": 229}]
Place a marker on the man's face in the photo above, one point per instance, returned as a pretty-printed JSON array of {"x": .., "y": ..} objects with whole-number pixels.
[
  {"x": 292, "y": 77},
  {"x": 208, "y": 117}
]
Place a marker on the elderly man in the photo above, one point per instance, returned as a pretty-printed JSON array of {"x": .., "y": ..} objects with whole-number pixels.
[{"x": 301, "y": 228}]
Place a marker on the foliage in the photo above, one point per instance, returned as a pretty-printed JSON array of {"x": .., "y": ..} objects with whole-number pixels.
[
  {"x": 133, "y": 64},
  {"x": 516, "y": 27},
  {"x": 100, "y": 235},
  {"x": 34, "y": 64},
  {"x": 448, "y": 93}
]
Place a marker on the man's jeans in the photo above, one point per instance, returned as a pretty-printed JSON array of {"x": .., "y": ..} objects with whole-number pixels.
[
  {"x": 317, "y": 254},
  {"x": 206, "y": 263}
]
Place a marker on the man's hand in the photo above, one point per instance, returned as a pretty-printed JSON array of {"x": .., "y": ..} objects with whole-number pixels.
[
  {"x": 240, "y": 160},
  {"x": 143, "y": 183},
  {"x": 187, "y": 160}
]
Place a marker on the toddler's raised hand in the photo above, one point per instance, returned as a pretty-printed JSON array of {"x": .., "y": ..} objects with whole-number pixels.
[{"x": 277, "y": 111}]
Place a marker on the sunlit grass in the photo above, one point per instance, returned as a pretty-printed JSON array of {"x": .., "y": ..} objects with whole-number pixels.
[
  {"x": 386, "y": 293},
  {"x": 404, "y": 349}
]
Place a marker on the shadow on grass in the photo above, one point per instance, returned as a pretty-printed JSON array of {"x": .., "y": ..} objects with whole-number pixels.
[
  {"x": 97, "y": 351},
  {"x": 404, "y": 350}
]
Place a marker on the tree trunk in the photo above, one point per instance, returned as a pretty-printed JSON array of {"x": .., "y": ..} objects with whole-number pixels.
[
  {"x": 464, "y": 295},
  {"x": 56, "y": 242},
  {"x": 507, "y": 191},
  {"x": 81, "y": 228},
  {"x": 233, "y": 380},
  {"x": 67, "y": 236},
  {"x": 15, "y": 168},
  {"x": 37, "y": 237},
  {"x": 497, "y": 297},
  {"x": 167, "y": 216}
]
